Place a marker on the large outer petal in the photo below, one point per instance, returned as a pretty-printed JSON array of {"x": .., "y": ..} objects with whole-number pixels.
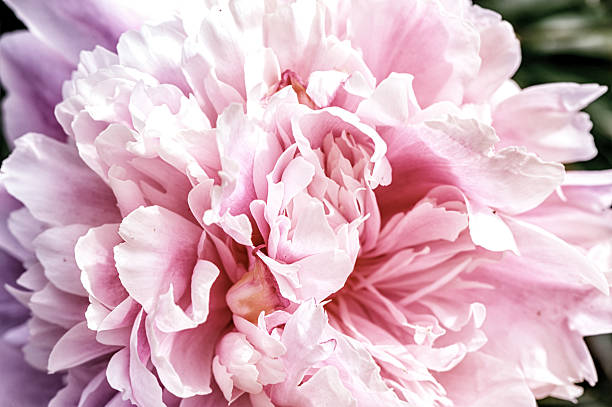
[
  {"x": 12, "y": 312},
  {"x": 71, "y": 26},
  {"x": 460, "y": 152},
  {"x": 55, "y": 185},
  {"x": 580, "y": 212},
  {"x": 20, "y": 384},
  {"x": 546, "y": 119},
  {"x": 505, "y": 388},
  {"x": 542, "y": 304},
  {"x": 33, "y": 75}
]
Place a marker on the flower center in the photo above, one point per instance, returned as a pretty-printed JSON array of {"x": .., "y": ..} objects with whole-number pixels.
[
  {"x": 256, "y": 291},
  {"x": 290, "y": 78}
]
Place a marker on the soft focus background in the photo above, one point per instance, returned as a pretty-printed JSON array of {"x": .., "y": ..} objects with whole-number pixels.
[{"x": 562, "y": 40}]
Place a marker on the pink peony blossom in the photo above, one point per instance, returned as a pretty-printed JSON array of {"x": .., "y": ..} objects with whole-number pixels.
[{"x": 296, "y": 203}]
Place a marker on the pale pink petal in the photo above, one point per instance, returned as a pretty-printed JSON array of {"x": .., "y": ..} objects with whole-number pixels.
[
  {"x": 183, "y": 359},
  {"x": 546, "y": 302},
  {"x": 25, "y": 227},
  {"x": 432, "y": 218},
  {"x": 127, "y": 370},
  {"x": 324, "y": 388},
  {"x": 43, "y": 336},
  {"x": 544, "y": 258},
  {"x": 31, "y": 174},
  {"x": 55, "y": 251},
  {"x": 546, "y": 119},
  {"x": 500, "y": 53},
  {"x": 159, "y": 250},
  {"x": 506, "y": 388},
  {"x": 155, "y": 50},
  {"x": 392, "y": 103},
  {"x": 76, "y": 347},
  {"x": 8, "y": 242},
  {"x": 295, "y": 32},
  {"x": 440, "y": 51},
  {"x": 459, "y": 152},
  {"x": 58, "y": 307},
  {"x": 94, "y": 256},
  {"x": 488, "y": 230},
  {"x": 311, "y": 283},
  {"x": 580, "y": 213},
  {"x": 70, "y": 27}
]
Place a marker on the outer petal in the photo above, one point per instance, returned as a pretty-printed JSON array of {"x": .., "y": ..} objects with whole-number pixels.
[
  {"x": 20, "y": 383},
  {"x": 55, "y": 251},
  {"x": 546, "y": 119},
  {"x": 546, "y": 258},
  {"x": 580, "y": 212},
  {"x": 506, "y": 388},
  {"x": 546, "y": 297},
  {"x": 459, "y": 152},
  {"x": 12, "y": 312},
  {"x": 76, "y": 347},
  {"x": 33, "y": 75},
  {"x": 8, "y": 241},
  {"x": 74, "y": 25},
  {"x": 31, "y": 175}
]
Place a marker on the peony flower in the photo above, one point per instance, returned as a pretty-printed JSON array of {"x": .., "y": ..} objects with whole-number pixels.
[{"x": 296, "y": 203}]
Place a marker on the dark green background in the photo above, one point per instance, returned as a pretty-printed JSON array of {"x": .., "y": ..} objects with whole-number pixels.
[{"x": 562, "y": 40}]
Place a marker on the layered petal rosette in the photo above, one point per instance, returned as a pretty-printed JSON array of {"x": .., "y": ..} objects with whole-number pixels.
[{"x": 301, "y": 203}]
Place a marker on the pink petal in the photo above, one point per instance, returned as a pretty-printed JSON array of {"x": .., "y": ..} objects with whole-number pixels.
[
  {"x": 506, "y": 388},
  {"x": 183, "y": 359},
  {"x": 440, "y": 52},
  {"x": 22, "y": 384},
  {"x": 458, "y": 152},
  {"x": 580, "y": 213},
  {"x": 73, "y": 26},
  {"x": 500, "y": 53},
  {"x": 30, "y": 174},
  {"x": 34, "y": 88},
  {"x": 8, "y": 242},
  {"x": 55, "y": 251},
  {"x": 546, "y": 119},
  {"x": 94, "y": 256},
  {"x": 127, "y": 370},
  {"x": 160, "y": 249},
  {"x": 76, "y": 347}
]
